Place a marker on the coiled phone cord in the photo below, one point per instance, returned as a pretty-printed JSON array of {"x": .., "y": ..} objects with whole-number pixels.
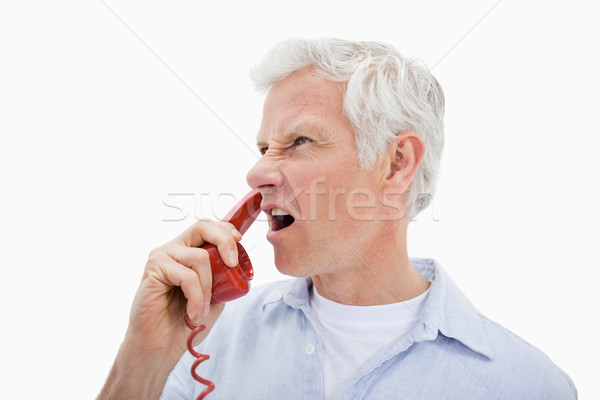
[
  {"x": 228, "y": 283},
  {"x": 200, "y": 358}
]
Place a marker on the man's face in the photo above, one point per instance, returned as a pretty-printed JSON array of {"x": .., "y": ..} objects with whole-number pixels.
[{"x": 310, "y": 171}]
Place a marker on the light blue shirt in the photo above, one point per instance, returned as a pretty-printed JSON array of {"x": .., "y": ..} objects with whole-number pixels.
[{"x": 266, "y": 346}]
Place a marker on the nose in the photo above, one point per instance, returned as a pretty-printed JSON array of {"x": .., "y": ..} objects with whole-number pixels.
[{"x": 264, "y": 176}]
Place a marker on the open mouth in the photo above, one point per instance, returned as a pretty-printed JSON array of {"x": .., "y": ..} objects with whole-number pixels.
[{"x": 279, "y": 219}]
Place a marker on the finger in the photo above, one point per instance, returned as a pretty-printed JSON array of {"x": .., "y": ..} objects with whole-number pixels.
[
  {"x": 173, "y": 273},
  {"x": 196, "y": 235},
  {"x": 215, "y": 311},
  {"x": 205, "y": 275},
  {"x": 228, "y": 226},
  {"x": 234, "y": 232},
  {"x": 191, "y": 257},
  {"x": 216, "y": 232},
  {"x": 198, "y": 260}
]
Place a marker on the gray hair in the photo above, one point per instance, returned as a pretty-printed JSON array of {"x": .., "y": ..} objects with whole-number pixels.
[{"x": 385, "y": 93}]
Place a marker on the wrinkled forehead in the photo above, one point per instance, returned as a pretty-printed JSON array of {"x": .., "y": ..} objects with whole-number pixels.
[{"x": 301, "y": 100}]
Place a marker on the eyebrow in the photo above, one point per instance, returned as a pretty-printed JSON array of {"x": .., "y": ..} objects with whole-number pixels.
[{"x": 295, "y": 130}]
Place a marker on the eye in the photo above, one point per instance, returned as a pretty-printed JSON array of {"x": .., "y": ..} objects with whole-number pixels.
[
  {"x": 263, "y": 150},
  {"x": 301, "y": 140}
]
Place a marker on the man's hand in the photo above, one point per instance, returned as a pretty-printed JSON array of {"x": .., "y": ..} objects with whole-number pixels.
[{"x": 177, "y": 280}]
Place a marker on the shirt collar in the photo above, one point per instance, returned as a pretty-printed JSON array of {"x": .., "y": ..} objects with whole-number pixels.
[
  {"x": 293, "y": 292},
  {"x": 446, "y": 310}
]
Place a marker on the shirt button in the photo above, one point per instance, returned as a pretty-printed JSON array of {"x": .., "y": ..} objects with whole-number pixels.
[{"x": 310, "y": 348}]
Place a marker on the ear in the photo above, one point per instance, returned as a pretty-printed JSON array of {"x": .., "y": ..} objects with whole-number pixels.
[{"x": 406, "y": 153}]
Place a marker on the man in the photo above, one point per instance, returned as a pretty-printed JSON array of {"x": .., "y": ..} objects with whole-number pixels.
[{"x": 351, "y": 139}]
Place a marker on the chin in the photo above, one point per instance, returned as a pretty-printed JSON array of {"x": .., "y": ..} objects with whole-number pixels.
[{"x": 289, "y": 265}]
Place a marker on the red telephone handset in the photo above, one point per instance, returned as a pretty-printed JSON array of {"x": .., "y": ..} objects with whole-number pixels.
[
  {"x": 228, "y": 283},
  {"x": 232, "y": 283}
]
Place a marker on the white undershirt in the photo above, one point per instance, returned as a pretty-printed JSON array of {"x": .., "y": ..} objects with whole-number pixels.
[{"x": 351, "y": 335}]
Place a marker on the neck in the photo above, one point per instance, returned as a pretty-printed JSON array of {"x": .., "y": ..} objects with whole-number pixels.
[{"x": 380, "y": 275}]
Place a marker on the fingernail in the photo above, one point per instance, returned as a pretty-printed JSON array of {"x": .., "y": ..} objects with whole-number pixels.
[
  {"x": 233, "y": 261},
  {"x": 198, "y": 318},
  {"x": 206, "y": 309}
]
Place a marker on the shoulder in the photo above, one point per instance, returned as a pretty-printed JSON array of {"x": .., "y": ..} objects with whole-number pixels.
[
  {"x": 483, "y": 352},
  {"x": 526, "y": 368}
]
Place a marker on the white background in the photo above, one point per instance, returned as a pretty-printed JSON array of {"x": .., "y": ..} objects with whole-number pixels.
[{"x": 108, "y": 108}]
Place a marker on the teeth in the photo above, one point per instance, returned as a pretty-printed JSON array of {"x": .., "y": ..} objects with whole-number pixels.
[{"x": 278, "y": 211}]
